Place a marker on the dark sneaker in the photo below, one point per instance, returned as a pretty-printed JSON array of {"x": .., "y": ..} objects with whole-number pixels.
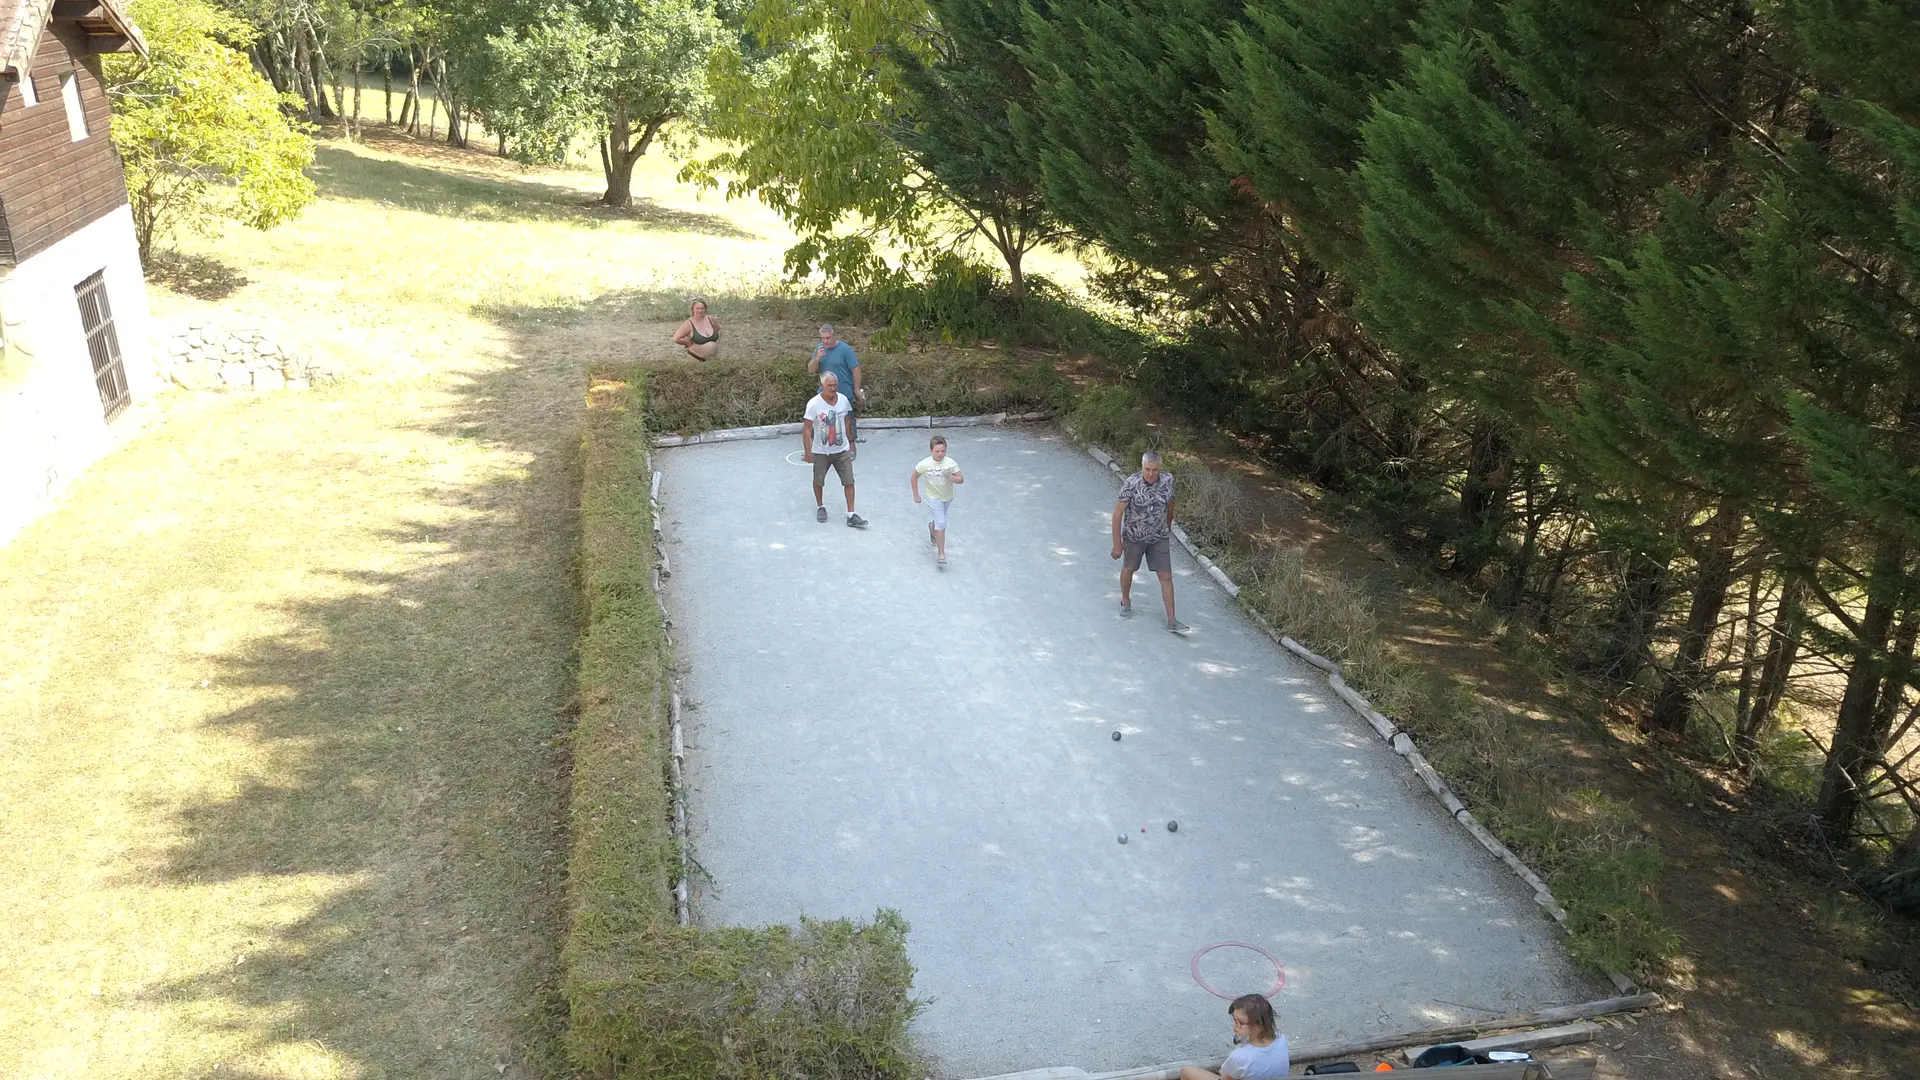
[
  {"x": 1175, "y": 626},
  {"x": 819, "y": 513},
  {"x": 855, "y": 521},
  {"x": 1126, "y": 611}
]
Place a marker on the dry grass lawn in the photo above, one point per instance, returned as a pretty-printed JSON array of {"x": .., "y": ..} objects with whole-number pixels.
[{"x": 282, "y": 680}]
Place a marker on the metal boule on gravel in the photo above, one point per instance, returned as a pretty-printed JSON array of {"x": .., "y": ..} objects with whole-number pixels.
[
  {"x": 1123, "y": 838},
  {"x": 1173, "y": 826},
  {"x": 1116, "y": 736}
]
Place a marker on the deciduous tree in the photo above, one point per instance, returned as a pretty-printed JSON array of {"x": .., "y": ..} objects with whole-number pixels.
[{"x": 203, "y": 137}]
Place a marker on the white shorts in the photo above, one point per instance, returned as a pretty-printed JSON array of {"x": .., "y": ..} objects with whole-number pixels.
[{"x": 937, "y": 511}]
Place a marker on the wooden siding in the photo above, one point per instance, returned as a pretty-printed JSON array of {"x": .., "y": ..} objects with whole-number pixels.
[{"x": 50, "y": 185}]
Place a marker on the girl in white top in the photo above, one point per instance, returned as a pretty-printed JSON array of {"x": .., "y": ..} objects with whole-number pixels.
[
  {"x": 1262, "y": 1053},
  {"x": 940, "y": 473}
]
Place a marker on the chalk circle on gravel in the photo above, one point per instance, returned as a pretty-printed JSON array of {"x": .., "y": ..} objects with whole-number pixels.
[
  {"x": 798, "y": 457},
  {"x": 1247, "y": 963}
]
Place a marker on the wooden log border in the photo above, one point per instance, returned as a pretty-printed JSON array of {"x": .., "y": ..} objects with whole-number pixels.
[
  {"x": 682, "y": 890},
  {"x": 877, "y": 423},
  {"x": 1355, "y": 1047},
  {"x": 1390, "y": 733}
]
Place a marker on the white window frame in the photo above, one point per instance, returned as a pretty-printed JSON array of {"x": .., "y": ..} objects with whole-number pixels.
[
  {"x": 29, "y": 97},
  {"x": 76, "y": 109}
]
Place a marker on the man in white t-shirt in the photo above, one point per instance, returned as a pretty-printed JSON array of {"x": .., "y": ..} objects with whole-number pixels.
[{"x": 827, "y": 443}]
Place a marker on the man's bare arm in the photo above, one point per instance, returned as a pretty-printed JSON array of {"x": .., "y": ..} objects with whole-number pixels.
[{"x": 806, "y": 437}]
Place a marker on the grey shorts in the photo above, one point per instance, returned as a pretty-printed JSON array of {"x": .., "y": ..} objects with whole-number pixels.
[
  {"x": 1159, "y": 558},
  {"x": 841, "y": 463}
]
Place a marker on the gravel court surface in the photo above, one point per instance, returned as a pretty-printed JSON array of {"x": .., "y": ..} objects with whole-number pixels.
[{"x": 868, "y": 730}]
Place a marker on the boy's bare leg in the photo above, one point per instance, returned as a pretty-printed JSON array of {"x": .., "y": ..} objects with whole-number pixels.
[
  {"x": 940, "y": 543},
  {"x": 849, "y": 490}
]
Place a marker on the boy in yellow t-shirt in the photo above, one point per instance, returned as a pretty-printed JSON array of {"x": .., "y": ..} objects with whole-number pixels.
[{"x": 941, "y": 473}]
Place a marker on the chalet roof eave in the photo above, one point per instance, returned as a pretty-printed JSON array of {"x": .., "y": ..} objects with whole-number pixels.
[{"x": 24, "y": 23}]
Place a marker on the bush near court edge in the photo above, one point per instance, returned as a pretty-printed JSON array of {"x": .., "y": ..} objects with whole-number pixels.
[
  {"x": 748, "y": 392},
  {"x": 647, "y": 997}
]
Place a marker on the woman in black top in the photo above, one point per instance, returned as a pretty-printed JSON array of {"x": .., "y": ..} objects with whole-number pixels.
[{"x": 699, "y": 334}]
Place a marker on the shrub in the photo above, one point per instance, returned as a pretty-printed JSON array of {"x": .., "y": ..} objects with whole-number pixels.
[
  {"x": 1211, "y": 506},
  {"x": 825, "y": 999},
  {"x": 737, "y": 392},
  {"x": 647, "y": 997},
  {"x": 1110, "y": 415}
]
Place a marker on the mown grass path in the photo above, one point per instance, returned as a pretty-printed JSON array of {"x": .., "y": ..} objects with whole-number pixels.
[{"x": 282, "y": 680}]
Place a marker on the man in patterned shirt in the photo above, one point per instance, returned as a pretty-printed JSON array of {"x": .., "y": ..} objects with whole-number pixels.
[{"x": 1142, "y": 527}]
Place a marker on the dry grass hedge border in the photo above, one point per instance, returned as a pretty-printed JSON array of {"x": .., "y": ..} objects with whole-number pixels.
[
  {"x": 735, "y": 392},
  {"x": 645, "y": 996}
]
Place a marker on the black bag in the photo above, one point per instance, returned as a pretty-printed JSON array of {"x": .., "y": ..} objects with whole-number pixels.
[
  {"x": 1325, "y": 1067},
  {"x": 1434, "y": 1057}
]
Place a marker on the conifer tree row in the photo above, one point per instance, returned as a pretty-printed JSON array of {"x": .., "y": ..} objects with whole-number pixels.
[{"x": 1608, "y": 308}]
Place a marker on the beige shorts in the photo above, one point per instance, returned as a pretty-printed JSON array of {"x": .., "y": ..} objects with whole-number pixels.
[{"x": 841, "y": 463}]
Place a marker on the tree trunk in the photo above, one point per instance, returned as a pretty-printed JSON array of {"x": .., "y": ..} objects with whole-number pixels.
[
  {"x": 357, "y": 59},
  {"x": 1854, "y": 744},
  {"x": 1636, "y": 614},
  {"x": 1749, "y": 649},
  {"x": 456, "y": 122},
  {"x": 618, "y": 153},
  {"x": 317, "y": 77},
  {"x": 410, "y": 108},
  {"x": 386, "y": 67},
  {"x": 1783, "y": 648},
  {"x": 1893, "y": 691},
  {"x": 502, "y": 136},
  {"x": 1673, "y": 707},
  {"x": 302, "y": 81},
  {"x": 266, "y": 58},
  {"x": 1483, "y": 492}
]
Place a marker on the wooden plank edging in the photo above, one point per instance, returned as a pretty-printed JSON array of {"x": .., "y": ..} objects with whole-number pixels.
[
  {"x": 1309, "y": 1052},
  {"x": 877, "y": 423}
]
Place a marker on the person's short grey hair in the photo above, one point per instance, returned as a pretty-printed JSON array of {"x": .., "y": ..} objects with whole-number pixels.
[
  {"x": 825, "y": 375},
  {"x": 827, "y": 328},
  {"x": 1149, "y": 458}
]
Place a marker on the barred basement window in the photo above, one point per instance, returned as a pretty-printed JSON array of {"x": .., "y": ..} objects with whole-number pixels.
[{"x": 103, "y": 345}]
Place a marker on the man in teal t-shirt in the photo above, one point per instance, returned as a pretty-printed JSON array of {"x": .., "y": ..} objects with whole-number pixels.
[{"x": 836, "y": 356}]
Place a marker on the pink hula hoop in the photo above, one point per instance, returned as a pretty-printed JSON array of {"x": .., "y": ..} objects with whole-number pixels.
[{"x": 1279, "y": 973}]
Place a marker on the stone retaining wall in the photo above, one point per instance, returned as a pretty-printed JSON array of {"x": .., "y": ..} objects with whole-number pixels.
[{"x": 205, "y": 356}]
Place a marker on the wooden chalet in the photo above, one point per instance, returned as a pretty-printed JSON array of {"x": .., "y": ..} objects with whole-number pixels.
[{"x": 74, "y": 349}]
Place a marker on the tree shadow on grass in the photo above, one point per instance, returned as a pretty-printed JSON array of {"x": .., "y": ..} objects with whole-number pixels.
[
  {"x": 476, "y": 195},
  {"x": 406, "y": 805},
  {"x": 202, "y": 277}
]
